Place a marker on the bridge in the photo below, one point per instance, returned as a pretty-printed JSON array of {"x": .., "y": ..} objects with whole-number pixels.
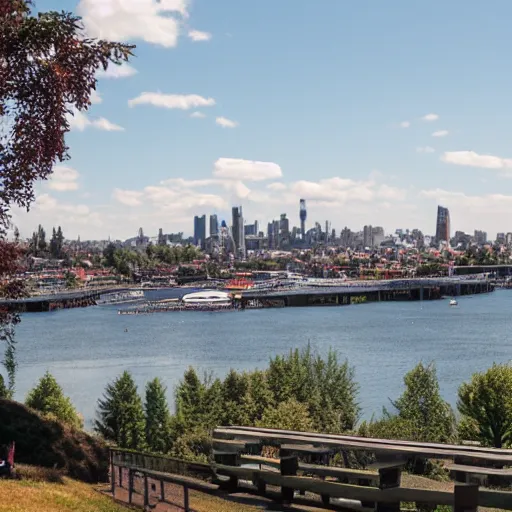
[{"x": 369, "y": 291}]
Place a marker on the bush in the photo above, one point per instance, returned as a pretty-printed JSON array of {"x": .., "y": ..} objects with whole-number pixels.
[
  {"x": 485, "y": 404},
  {"x": 289, "y": 415}
]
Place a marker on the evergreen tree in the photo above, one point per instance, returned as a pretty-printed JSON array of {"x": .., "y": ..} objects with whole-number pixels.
[
  {"x": 157, "y": 417},
  {"x": 190, "y": 393},
  {"x": 288, "y": 415},
  {"x": 54, "y": 251},
  {"x": 48, "y": 398},
  {"x": 60, "y": 242},
  {"x": 121, "y": 415},
  {"x": 41, "y": 239}
]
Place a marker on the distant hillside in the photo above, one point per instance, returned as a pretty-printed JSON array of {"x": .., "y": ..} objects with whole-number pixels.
[{"x": 48, "y": 443}]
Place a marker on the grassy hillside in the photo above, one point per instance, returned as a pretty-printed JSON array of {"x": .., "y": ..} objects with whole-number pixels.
[
  {"x": 44, "y": 442},
  {"x": 65, "y": 496}
]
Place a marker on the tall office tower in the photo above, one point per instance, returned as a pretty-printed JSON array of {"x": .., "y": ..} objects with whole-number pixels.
[
  {"x": 443, "y": 225},
  {"x": 237, "y": 229},
  {"x": 214, "y": 226},
  {"x": 200, "y": 231},
  {"x": 368, "y": 236},
  {"x": 303, "y": 214}
]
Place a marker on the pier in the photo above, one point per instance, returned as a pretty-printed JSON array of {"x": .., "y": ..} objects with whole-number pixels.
[{"x": 365, "y": 291}]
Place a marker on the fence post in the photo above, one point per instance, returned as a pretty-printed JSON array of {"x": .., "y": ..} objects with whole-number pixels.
[
  {"x": 162, "y": 490},
  {"x": 466, "y": 497},
  {"x": 146, "y": 492},
  {"x": 120, "y": 476},
  {"x": 186, "y": 499},
  {"x": 112, "y": 473},
  {"x": 130, "y": 485},
  {"x": 389, "y": 478},
  {"x": 289, "y": 466}
]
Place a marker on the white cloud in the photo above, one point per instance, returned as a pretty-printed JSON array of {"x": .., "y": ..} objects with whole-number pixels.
[
  {"x": 425, "y": 149},
  {"x": 239, "y": 169},
  {"x": 198, "y": 115},
  {"x": 152, "y": 21},
  {"x": 197, "y": 35},
  {"x": 405, "y": 124},
  {"x": 174, "y": 101},
  {"x": 63, "y": 178},
  {"x": 225, "y": 122},
  {"x": 237, "y": 187},
  {"x": 276, "y": 186},
  {"x": 127, "y": 197},
  {"x": 106, "y": 125},
  {"x": 79, "y": 121},
  {"x": 117, "y": 71},
  {"x": 472, "y": 159},
  {"x": 440, "y": 133},
  {"x": 430, "y": 117},
  {"x": 95, "y": 97}
]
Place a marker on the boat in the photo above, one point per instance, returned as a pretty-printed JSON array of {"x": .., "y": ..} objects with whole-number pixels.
[
  {"x": 453, "y": 302},
  {"x": 210, "y": 297},
  {"x": 120, "y": 297}
]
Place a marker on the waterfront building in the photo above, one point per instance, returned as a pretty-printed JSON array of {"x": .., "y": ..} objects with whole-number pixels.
[
  {"x": 443, "y": 225},
  {"x": 200, "y": 231}
]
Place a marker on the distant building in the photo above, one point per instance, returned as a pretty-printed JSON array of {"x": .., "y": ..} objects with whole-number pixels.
[
  {"x": 500, "y": 238},
  {"x": 480, "y": 237},
  {"x": 508, "y": 239},
  {"x": 200, "y": 231},
  {"x": 303, "y": 214},
  {"x": 443, "y": 225},
  {"x": 214, "y": 226},
  {"x": 368, "y": 236},
  {"x": 237, "y": 229},
  {"x": 251, "y": 229}
]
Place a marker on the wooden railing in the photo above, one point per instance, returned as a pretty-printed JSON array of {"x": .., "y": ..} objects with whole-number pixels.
[{"x": 300, "y": 469}]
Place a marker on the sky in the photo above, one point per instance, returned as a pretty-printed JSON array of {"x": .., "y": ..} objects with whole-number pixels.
[{"x": 374, "y": 112}]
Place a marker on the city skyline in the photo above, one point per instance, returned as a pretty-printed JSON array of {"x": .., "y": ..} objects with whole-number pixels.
[{"x": 211, "y": 114}]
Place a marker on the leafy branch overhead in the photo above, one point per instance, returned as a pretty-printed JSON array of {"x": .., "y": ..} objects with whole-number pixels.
[{"x": 48, "y": 68}]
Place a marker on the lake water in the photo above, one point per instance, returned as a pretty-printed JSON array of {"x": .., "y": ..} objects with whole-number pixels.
[{"x": 87, "y": 348}]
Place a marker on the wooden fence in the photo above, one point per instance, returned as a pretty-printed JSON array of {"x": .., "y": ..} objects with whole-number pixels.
[{"x": 301, "y": 470}]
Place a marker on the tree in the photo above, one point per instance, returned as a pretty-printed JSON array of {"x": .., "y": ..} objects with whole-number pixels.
[
  {"x": 48, "y": 398},
  {"x": 157, "y": 417},
  {"x": 41, "y": 239},
  {"x": 48, "y": 71},
  {"x": 421, "y": 406},
  {"x": 121, "y": 415},
  {"x": 288, "y": 415},
  {"x": 486, "y": 406},
  {"x": 54, "y": 251}
]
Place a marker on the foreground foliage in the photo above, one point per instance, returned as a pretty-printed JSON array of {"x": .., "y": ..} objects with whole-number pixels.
[
  {"x": 420, "y": 413},
  {"x": 486, "y": 406}
]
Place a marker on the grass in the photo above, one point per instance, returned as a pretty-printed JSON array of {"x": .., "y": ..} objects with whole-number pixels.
[{"x": 40, "y": 496}]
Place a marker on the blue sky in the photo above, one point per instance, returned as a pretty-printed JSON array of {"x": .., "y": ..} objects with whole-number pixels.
[{"x": 323, "y": 100}]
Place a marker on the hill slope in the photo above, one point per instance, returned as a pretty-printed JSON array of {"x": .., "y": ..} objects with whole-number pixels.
[{"x": 45, "y": 442}]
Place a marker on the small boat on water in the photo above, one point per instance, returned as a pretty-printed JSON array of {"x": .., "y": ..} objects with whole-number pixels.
[{"x": 453, "y": 302}]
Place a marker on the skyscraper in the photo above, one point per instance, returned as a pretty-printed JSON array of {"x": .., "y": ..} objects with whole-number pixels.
[
  {"x": 200, "y": 231},
  {"x": 214, "y": 226},
  {"x": 237, "y": 229},
  {"x": 443, "y": 225},
  {"x": 303, "y": 216}
]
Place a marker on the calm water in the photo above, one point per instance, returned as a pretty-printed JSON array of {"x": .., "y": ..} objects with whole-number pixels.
[{"x": 87, "y": 348}]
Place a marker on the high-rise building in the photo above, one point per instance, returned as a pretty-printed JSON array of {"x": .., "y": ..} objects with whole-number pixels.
[
  {"x": 500, "y": 238},
  {"x": 214, "y": 226},
  {"x": 237, "y": 229},
  {"x": 368, "y": 236},
  {"x": 443, "y": 225},
  {"x": 303, "y": 214},
  {"x": 200, "y": 231}
]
